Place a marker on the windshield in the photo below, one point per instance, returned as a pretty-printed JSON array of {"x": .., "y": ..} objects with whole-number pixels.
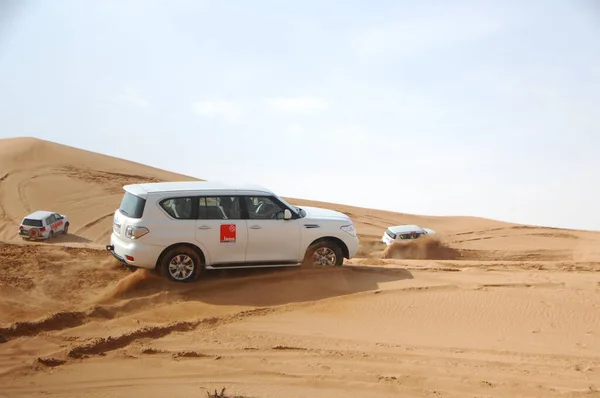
[{"x": 298, "y": 210}]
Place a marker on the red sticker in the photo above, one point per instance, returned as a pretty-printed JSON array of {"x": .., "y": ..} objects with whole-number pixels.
[
  {"x": 56, "y": 225},
  {"x": 228, "y": 233}
]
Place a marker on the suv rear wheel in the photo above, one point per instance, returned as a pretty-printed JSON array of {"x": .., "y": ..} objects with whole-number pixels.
[
  {"x": 324, "y": 253},
  {"x": 180, "y": 264}
]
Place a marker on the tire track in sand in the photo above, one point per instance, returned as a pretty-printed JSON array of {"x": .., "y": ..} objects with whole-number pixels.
[
  {"x": 57, "y": 321},
  {"x": 101, "y": 345},
  {"x": 24, "y": 181},
  {"x": 87, "y": 226}
]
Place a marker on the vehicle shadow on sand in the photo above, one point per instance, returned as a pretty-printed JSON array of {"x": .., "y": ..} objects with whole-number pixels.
[
  {"x": 69, "y": 238},
  {"x": 262, "y": 287}
]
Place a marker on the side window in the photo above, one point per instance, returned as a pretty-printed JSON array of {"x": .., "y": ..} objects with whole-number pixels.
[
  {"x": 50, "y": 220},
  {"x": 219, "y": 208},
  {"x": 263, "y": 208},
  {"x": 410, "y": 235},
  {"x": 180, "y": 208}
]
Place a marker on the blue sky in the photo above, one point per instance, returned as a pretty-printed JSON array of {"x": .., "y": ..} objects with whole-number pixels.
[{"x": 482, "y": 108}]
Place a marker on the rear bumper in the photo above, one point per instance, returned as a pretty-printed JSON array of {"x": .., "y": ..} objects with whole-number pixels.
[
  {"x": 133, "y": 254},
  {"x": 25, "y": 235},
  {"x": 111, "y": 249}
]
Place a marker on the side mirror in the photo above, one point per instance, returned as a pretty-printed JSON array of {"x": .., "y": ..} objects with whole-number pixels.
[{"x": 287, "y": 214}]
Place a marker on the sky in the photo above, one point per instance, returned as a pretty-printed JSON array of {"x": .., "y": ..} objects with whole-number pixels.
[{"x": 478, "y": 108}]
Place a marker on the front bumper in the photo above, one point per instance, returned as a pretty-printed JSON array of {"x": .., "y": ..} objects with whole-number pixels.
[
  {"x": 386, "y": 239},
  {"x": 352, "y": 246}
]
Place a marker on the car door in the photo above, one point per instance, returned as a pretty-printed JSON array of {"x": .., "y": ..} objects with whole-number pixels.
[
  {"x": 59, "y": 223},
  {"x": 178, "y": 225},
  {"x": 49, "y": 225},
  {"x": 271, "y": 239},
  {"x": 222, "y": 230}
]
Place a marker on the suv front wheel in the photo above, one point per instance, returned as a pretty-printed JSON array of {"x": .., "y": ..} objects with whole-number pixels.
[
  {"x": 180, "y": 264},
  {"x": 324, "y": 253}
]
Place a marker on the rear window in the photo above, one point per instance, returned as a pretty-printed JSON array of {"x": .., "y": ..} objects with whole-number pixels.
[
  {"x": 32, "y": 223},
  {"x": 132, "y": 206}
]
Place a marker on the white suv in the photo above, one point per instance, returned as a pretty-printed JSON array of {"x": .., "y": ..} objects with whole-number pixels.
[
  {"x": 183, "y": 228},
  {"x": 402, "y": 232},
  {"x": 43, "y": 225}
]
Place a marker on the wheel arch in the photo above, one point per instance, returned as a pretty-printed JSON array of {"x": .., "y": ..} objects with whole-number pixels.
[
  {"x": 184, "y": 244},
  {"x": 338, "y": 241}
]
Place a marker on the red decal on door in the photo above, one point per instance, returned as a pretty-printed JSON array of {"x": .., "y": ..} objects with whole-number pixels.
[
  {"x": 56, "y": 225},
  {"x": 228, "y": 233}
]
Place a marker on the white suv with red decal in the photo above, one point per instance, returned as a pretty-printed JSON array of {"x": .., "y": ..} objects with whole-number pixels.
[
  {"x": 184, "y": 228},
  {"x": 43, "y": 225}
]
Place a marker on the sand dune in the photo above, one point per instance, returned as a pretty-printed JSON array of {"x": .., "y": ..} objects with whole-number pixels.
[
  {"x": 40, "y": 175},
  {"x": 488, "y": 308}
]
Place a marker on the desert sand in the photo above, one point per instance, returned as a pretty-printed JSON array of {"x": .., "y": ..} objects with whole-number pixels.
[{"x": 488, "y": 309}]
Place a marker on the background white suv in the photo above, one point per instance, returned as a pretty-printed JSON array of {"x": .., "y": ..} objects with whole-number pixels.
[
  {"x": 43, "y": 225},
  {"x": 403, "y": 232},
  {"x": 183, "y": 228}
]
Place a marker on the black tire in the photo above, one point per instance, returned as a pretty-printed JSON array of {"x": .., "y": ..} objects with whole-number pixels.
[
  {"x": 187, "y": 256},
  {"x": 335, "y": 255},
  {"x": 51, "y": 235},
  {"x": 66, "y": 229}
]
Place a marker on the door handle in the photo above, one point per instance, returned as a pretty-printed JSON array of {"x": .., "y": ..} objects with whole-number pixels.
[
  {"x": 255, "y": 227},
  {"x": 204, "y": 227}
]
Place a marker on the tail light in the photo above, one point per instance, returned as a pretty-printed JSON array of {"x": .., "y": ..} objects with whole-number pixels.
[
  {"x": 135, "y": 232},
  {"x": 43, "y": 229}
]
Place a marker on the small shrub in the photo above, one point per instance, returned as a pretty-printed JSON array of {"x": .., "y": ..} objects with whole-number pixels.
[{"x": 221, "y": 394}]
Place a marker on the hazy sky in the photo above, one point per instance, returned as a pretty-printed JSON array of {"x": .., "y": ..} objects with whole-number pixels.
[{"x": 483, "y": 108}]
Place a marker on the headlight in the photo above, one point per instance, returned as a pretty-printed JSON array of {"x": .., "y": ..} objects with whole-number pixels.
[
  {"x": 349, "y": 229},
  {"x": 135, "y": 232}
]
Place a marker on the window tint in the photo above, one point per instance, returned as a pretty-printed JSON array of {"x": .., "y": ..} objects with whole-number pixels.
[
  {"x": 180, "y": 208},
  {"x": 50, "y": 220},
  {"x": 32, "y": 223},
  {"x": 410, "y": 235},
  {"x": 390, "y": 234},
  {"x": 219, "y": 208},
  {"x": 132, "y": 206},
  {"x": 263, "y": 208}
]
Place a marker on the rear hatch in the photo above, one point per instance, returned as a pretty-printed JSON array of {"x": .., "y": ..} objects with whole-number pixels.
[
  {"x": 129, "y": 213},
  {"x": 29, "y": 223}
]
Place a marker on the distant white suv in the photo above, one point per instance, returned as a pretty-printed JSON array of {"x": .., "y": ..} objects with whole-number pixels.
[
  {"x": 403, "y": 232},
  {"x": 43, "y": 225},
  {"x": 183, "y": 228}
]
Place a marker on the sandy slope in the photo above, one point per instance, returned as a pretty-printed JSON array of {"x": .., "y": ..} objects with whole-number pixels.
[
  {"x": 40, "y": 175},
  {"x": 494, "y": 309}
]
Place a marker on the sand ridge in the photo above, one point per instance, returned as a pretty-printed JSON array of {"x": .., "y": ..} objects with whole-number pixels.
[{"x": 486, "y": 308}]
